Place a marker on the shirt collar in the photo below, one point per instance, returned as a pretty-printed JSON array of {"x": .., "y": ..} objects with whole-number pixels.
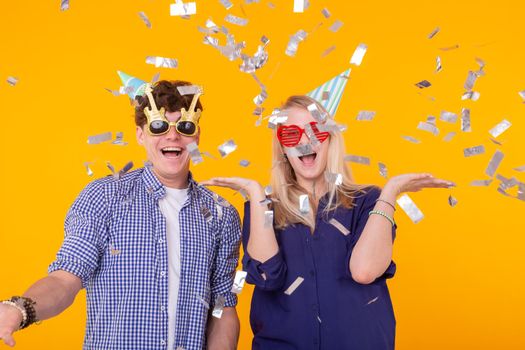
[{"x": 157, "y": 189}]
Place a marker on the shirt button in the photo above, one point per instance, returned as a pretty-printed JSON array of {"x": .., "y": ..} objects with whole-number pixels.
[
  {"x": 163, "y": 273},
  {"x": 161, "y": 241},
  {"x": 162, "y": 308},
  {"x": 162, "y": 342}
]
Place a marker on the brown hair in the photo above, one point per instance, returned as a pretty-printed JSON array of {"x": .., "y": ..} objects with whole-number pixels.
[{"x": 165, "y": 94}]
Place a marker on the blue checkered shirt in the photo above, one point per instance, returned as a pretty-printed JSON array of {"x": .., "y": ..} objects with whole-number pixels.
[{"x": 115, "y": 241}]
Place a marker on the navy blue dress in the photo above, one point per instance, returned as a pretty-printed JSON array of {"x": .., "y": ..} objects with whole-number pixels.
[{"x": 329, "y": 310}]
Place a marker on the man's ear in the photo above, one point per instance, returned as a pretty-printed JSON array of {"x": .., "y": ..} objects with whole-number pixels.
[
  {"x": 140, "y": 135},
  {"x": 198, "y": 136}
]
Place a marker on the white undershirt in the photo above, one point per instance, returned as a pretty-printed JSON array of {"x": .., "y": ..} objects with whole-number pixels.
[{"x": 170, "y": 207}]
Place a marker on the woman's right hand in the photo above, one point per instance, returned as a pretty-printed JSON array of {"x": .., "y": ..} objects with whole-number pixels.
[
  {"x": 251, "y": 187},
  {"x": 10, "y": 319}
]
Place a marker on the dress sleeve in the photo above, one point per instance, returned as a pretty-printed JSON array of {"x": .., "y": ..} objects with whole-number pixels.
[
  {"x": 364, "y": 205},
  {"x": 268, "y": 275},
  {"x": 85, "y": 231}
]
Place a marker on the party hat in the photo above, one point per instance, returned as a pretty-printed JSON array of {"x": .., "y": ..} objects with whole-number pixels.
[
  {"x": 329, "y": 94},
  {"x": 132, "y": 86}
]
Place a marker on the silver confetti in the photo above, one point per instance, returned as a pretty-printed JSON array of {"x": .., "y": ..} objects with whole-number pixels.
[
  {"x": 448, "y": 137},
  {"x": 438, "y": 64},
  {"x": 325, "y": 13},
  {"x": 265, "y": 202},
  {"x": 521, "y": 191},
  {"x": 423, "y": 84},
  {"x": 293, "y": 44},
  {"x": 452, "y": 201},
  {"x": 373, "y": 301},
  {"x": 428, "y": 127},
  {"x": 431, "y": 120},
  {"x": 299, "y": 6},
  {"x": 336, "y": 26},
  {"x": 219, "y": 306},
  {"x": 448, "y": 117},
  {"x": 339, "y": 226},
  {"x": 64, "y": 5},
  {"x": 268, "y": 218},
  {"x": 12, "y": 81},
  {"x": 358, "y": 55},
  {"x": 259, "y": 99},
  {"x": 316, "y": 113},
  {"x": 227, "y": 4},
  {"x": 480, "y": 182},
  {"x": 299, "y": 151},
  {"x": 183, "y": 9},
  {"x": 294, "y": 286},
  {"x": 495, "y": 141},
  {"x": 96, "y": 139},
  {"x": 331, "y": 127},
  {"x": 333, "y": 178},
  {"x": 500, "y": 128},
  {"x": 434, "y": 32},
  {"x": 208, "y": 216},
  {"x": 227, "y": 148},
  {"x": 311, "y": 135},
  {"x": 474, "y": 151},
  {"x": 471, "y": 79},
  {"x": 194, "y": 152},
  {"x": 494, "y": 163},
  {"x": 470, "y": 95},
  {"x": 324, "y": 54},
  {"x": 366, "y": 115},
  {"x": 277, "y": 117},
  {"x": 520, "y": 168},
  {"x": 236, "y": 20},
  {"x": 411, "y": 139},
  {"x": 383, "y": 171},
  {"x": 88, "y": 169},
  {"x": 145, "y": 19},
  {"x": 410, "y": 208},
  {"x": 465, "y": 120},
  {"x": 448, "y": 48},
  {"x": 189, "y": 89},
  {"x": 162, "y": 61},
  {"x": 122, "y": 172},
  {"x": 357, "y": 159},
  {"x": 203, "y": 301},
  {"x": 119, "y": 139},
  {"x": 304, "y": 204},
  {"x": 244, "y": 163},
  {"x": 522, "y": 94},
  {"x": 238, "y": 281}
]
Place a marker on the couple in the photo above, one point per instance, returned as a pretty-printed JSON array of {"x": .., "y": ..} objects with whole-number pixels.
[{"x": 157, "y": 252}]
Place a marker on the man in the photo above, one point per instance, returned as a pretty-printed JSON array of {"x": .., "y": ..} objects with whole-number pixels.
[{"x": 155, "y": 251}]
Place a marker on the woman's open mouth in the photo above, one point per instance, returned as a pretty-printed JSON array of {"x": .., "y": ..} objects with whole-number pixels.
[{"x": 308, "y": 159}]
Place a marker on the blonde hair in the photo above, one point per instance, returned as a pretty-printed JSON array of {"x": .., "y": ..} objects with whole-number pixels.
[{"x": 286, "y": 189}]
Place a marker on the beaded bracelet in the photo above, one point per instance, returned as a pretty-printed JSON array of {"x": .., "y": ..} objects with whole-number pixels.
[
  {"x": 382, "y": 213},
  {"x": 29, "y": 306},
  {"x": 19, "y": 308}
]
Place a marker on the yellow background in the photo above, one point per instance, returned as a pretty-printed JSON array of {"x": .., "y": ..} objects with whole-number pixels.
[{"x": 459, "y": 283}]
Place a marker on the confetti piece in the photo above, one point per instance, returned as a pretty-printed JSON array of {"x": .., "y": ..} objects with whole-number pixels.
[
  {"x": 311, "y": 135},
  {"x": 522, "y": 94},
  {"x": 372, "y": 301},
  {"x": 521, "y": 191},
  {"x": 244, "y": 163},
  {"x": 206, "y": 213},
  {"x": 162, "y": 62},
  {"x": 334, "y": 178},
  {"x": 194, "y": 152},
  {"x": 203, "y": 302},
  {"x": 326, "y": 52},
  {"x": 96, "y": 139},
  {"x": 471, "y": 79},
  {"x": 448, "y": 48},
  {"x": 145, "y": 19},
  {"x": 431, "y": 120},
  {"x": 423, "y": 84},
  {"x": 114, "y": 92},
  {"x": 227, "y": 4},
  {"x": 332, "y": 127},
  {"x": 452, "y": 201},
  {"x": 465, "y": 120},
  {"x": 496, "y": 142},
  {"x": 316, "y": 113},
  {"x": 227, "y": 148},
  {"x": 366, "y": 115},
  {"x": 236, "y": 20},
  {"x": 500, "y": 128},
  {"x": 448, "y": 117},
  {"x": 474, "y": 151},
  {"x": 12, "y": 81},
  {"x": 259, "y": 99},
  {"x": 336, "y": 26},
  {"x": 326, "y": 13},
  {"x": 238, "y": 281},
  {"x": 64, "y": 5},
  {"x": 428, "y": 127},
  {"x": 122, "y": 172},
  {"x": 357, "y": 159},
  {"x": 478, "y": 183},
  {"x": 411, "y": 139},
  {"x": 119, "y": 139},
  {"x": 410, "y": 208},
  {"x": 304, "y": 204},
  {"x": 448, "y": 137},
  {"x": 339, "y": 226},
  {"x": 293, "y": 44},
  {"x": 300, "y": 150},
  {"x": 299, "y": 6},
  {"x": 189, "y": 89},
  {"x": 520, "y": 168},
  {"x": 294, "y": 286},
  {"x": 219, "y": 306},
  {"x": 383, "y": 171},
  {"x": 268, "y": 218},
  {"x": 494, "y": 163},
  {"x": 88, "y": 169},
  {"x": 183, "y": 9},
  {"x": 470, "y": 95},
  {"x": 358, "y": 55},
  {"x": 433, "y": 33},
  {"x": 438, "y": 64},
  {"x": 277, "y": 117}
]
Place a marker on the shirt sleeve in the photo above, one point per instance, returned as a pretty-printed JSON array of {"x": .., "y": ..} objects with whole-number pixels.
[
  {"x": 363, "y": 206},
  {"x": 227, "y": 258},
  {"x": 85, "y": 228},
  {"x": 268, "y": 275}
]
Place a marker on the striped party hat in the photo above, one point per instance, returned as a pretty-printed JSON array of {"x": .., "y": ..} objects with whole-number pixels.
[
  {"x": 132, "y": 86},
  {"x": 329, "y": 94}
]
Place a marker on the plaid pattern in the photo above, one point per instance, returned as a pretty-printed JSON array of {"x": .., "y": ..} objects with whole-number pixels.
[{"x": 116, "y": 243}]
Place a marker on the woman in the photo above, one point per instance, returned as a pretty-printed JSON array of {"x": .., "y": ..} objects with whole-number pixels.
[{"x": 337, "y": 253}]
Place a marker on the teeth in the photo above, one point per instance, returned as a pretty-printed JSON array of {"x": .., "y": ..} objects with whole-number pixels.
[{"x": 173, "y": 149}]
